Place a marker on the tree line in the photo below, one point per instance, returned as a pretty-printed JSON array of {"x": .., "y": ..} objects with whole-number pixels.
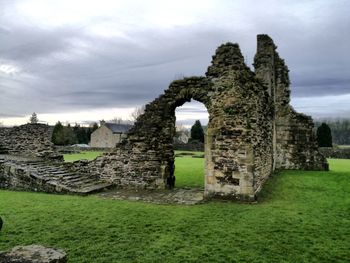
[
  {"x": 340, "y": 130},
  {"x": 195, "y": 134},
  {"x": 67, "y": 135}
]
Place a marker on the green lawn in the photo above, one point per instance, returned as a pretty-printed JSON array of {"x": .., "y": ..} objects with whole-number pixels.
[
  {"x": 189, "y": 171},
  {"x": 344, "y": 146},
  {"x": 87, "y": 155},
  {"x": 301, "y": 217}
]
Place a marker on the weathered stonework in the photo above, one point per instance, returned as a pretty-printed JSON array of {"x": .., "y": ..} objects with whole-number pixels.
[
  {"x": 28, "y": 140},
  {"x": 33, "y": 254},
  {"x": 40, "y": 175},
  {"x": 252, "y": 129},
  {"x": 29, "y": 161},
  {"x": 334, "y": 152},
  {"x": 295, "y": 145}
]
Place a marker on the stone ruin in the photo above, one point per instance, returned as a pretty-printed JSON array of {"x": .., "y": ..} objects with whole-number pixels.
[
  {"x": 252, "y": 129},
  {"x": 33, "y": 254},
  {"x": 28, "y": 140},
  {"x": 29, "y": 161}
]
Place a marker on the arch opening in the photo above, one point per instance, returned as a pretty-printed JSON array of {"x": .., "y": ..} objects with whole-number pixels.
[{"x": 189, "y": 148}]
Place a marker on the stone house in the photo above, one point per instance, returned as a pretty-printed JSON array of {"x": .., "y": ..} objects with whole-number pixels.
[{"x": 108, "y": 134}]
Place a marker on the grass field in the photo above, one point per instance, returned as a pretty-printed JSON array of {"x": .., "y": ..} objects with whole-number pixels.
[
  {"x": 87, "y": 155},
  {"x": 301, "y": 217}
]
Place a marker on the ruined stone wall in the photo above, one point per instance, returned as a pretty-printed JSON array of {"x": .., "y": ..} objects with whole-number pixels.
[
  {"x": 40, "y": 175},
  {"x": 145, "y": 157},
  {"x": 295, "y": 145},
  {"x": 241, "y": 133},
  {"x": 337, "y": 153},
  {"x": 239, "y": 136},
  {"x": 252, "y": 129},
  {"x": 3, "y": 135},
  {"x": 28, "y": 140},
  {"x": 16, "y": 177}
]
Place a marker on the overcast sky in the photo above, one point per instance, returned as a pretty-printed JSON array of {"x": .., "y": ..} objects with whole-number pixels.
[{"x": 79, "y": 60}]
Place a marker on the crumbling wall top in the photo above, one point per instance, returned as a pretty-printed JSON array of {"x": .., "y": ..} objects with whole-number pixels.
[{"x": 227, "y": 57}]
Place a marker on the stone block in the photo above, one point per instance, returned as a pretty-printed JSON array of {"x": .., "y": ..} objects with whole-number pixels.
[{"x": 33, "y": 254}]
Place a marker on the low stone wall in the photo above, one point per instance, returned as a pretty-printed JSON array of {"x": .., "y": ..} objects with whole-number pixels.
[
  {"x": 296, "y": 143},
  {"x": 336, "y": 153},
  {"x": 190, "y": 146},
  {"x": 21, "y": 173},
  {"x": 14, "y": 175},
  {"x": 75, "y": 149}
]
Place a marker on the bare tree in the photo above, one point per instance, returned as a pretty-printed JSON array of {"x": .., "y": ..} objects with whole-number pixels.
[
  {"x": 116, "y": 120},
  {"x": 180, "y": 127},
  {"x": 182, "y": 133},
  {"x": 137, "y": 112}
]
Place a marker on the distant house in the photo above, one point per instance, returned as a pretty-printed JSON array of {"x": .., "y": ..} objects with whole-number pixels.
[{"x": 108, "y": 134}]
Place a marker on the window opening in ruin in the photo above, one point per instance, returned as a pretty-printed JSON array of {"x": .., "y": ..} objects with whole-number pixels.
[{"x": 189, "y": 152}]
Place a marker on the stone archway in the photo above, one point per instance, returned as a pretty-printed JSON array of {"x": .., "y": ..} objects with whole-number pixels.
[
  {"x": 252, "y": 129},
  {"x": 189, "y": 90},
  {"x": 159, "y": 121},
  {"x": 240, "y": 119},
  {"x": 190, "y": 145}
]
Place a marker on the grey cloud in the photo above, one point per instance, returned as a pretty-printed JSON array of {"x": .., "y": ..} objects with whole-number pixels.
[
  {"x": 190, "y": 121},
  {"x": 10, "y": 115},
  {"x": 23, "y": 44},
  {"x": 321, "y": 86},
  {"x": 191, "y": 110},
  {"x": 67, "y": 68},
  {"x": 107, "y": 79}
]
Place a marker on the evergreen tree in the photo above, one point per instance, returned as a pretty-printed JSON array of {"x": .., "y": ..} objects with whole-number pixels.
[
  {"x": 76, "y": 129},
  {"x": 69, "y": 135},
  {"x": 82, "y": 135},
  {"x": 94, "y": 127},
  {"x": 63, "y": 135},
  {"x": 197, "y": 132},
  {"x": 34, "y": 118},
  {"x": 57, "y": 133},
  {"x": 88, "y": 134},
  {"x": 324, "y": 136},
  {"x": 79, "y": 133}
]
